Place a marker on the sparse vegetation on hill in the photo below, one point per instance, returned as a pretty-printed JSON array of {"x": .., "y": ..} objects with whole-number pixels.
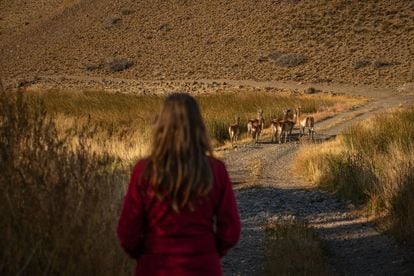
[
  {"x": 363, "y": 42},
  {"x": 373, "y": 163}
]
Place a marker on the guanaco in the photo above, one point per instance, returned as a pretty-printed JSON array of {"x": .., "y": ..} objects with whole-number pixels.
[
  {"x": 255, "y": 126},
  {"x": 306, "y": 122},
  {"x": 234, "y": 132},
  {"x": 276, "y": 128}
]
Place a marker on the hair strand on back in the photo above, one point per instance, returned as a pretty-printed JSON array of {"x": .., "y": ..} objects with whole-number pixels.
[{"x": 178, "y": 167}]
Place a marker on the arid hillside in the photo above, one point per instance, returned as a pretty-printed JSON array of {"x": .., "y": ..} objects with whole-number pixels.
[{"x": 355, "y": 42}]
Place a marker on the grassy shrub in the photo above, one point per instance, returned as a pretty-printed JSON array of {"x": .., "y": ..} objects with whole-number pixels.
[
  {"x": 122, "y": 122},
  {"x": 382, "y": 132},
  {"x": 59, "y": 202},
  {"x": 287, "y": 59},
  {"x": 218, "y": 129},
  {"x": 379, "y": 63},
  {"x": 127, "y": 11},
  {"x": 361, "y": 63},
  {"x": 395, "y": 191},
  {"x": 292, "y": 248},
  {"x": 118, "y": 64},
  {"x": 336, "y": 169},
  {"x": 373, "y": 162}
]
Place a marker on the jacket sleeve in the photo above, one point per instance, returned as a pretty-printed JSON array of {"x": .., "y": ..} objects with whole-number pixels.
[
  {"x": 228, "y": 219},
  {"x": 131, "y": 221}
]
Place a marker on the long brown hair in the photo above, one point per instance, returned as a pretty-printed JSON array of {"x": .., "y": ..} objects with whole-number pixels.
[{"x": 178, "y": 167}]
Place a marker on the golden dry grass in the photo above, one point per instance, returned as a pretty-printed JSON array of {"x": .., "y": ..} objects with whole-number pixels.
[
  {"x": 124, "y": 121},
  {"x": 65, "y": 159},
  {"x": 60, "y": 201},
  {"x": 292, "y": 248},
  {"x": 372, "y": 163}
]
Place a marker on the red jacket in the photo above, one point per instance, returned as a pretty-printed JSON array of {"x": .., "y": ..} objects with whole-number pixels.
[{"x": 187, "y": 243}]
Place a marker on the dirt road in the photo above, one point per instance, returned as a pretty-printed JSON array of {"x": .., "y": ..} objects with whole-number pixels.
[{"x": 266, "y": 188}]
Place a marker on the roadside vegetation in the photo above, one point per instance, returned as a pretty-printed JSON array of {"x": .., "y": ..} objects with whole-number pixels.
[
  {"x": 59, "y": 201},
  {"x": 292, "y": 248},
  {"x": 124, "y": 121},
  {"x": 65, "y": 160},
  {"x": 371, "y": 163}
]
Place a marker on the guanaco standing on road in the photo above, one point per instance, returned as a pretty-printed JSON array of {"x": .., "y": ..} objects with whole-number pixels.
[
  {"x": 306, "y": 122},
  {"x": 255, "y": 126},
  {"x": 276, "y": 128},
  {"x": 282, "y": 128},
  {"x": 287, "y": 127},
  {"x": 234, "y": 132}
]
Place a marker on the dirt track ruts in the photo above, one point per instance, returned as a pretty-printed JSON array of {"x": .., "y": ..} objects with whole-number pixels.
[{"x": 265, "y": 188}]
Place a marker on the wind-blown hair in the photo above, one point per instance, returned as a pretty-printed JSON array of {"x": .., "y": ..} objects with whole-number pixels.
[{"x": 178, "y": 167}]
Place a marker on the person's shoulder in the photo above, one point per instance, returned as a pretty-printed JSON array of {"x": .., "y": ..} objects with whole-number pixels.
[
  {"x": 220, "y": 174},
  {"x": 217, "y": 163},
  {"x": 138, "y": 173},
  {"x": 140, "y": 165}
]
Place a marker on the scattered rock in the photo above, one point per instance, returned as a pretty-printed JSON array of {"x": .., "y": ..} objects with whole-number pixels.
[
  {"x": 262, "y": 58},
  {"x": 210, "y": 42},
  {"x": 113, "y": 21},
  {"x": 165, "y": 27},
  {"x": 297, "y": 76}
]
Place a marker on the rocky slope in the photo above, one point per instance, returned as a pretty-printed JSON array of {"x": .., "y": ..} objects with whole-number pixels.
[{"x": 356, "y": 42}]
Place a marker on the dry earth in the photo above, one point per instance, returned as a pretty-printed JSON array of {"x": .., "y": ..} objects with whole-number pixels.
[
  {"x": 340, "y": 41},
  {"x": 267, "y": 189}
]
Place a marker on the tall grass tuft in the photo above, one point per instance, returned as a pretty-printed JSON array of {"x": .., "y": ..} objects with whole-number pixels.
[
  {"x": 292, "y": 248},
  {"x": 59, "y": 203},
  {"x": 372, "y": 162}
]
